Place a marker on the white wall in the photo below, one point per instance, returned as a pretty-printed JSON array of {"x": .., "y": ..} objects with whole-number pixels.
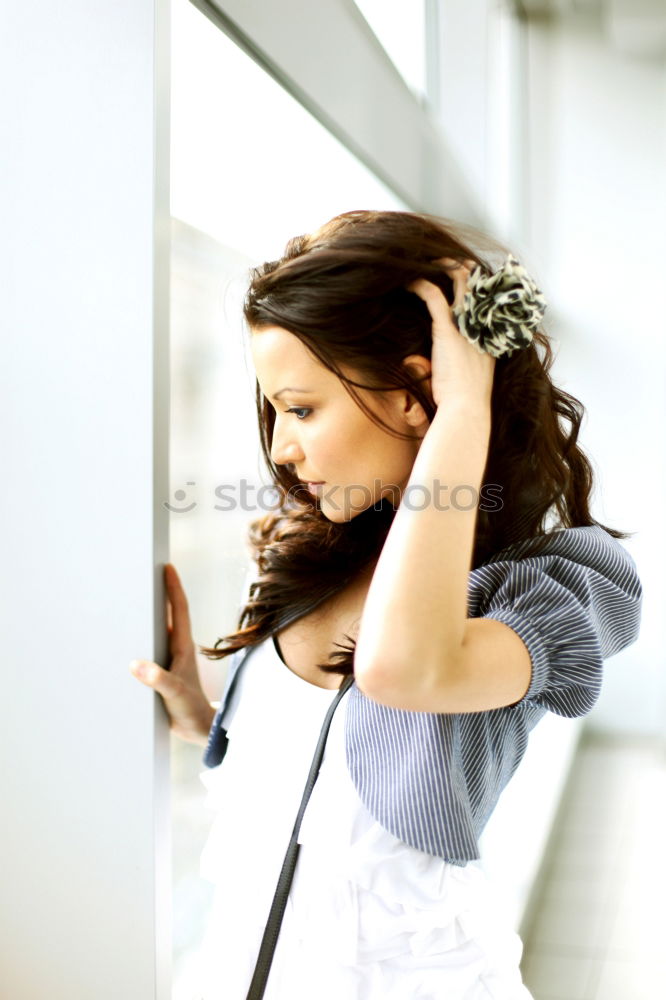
[
  {"x": 84, "y": 837},
  {"x": 563, "y": 139},
  {"x": 481, "y": 105},
  {"x": 598, "y": 215}
]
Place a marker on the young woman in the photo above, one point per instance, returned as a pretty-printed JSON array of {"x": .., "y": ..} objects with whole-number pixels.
[{"x": 435, "y": 557}]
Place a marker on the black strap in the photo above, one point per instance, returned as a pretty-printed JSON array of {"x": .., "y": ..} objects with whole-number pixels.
[{"x": 278, "y": 906}]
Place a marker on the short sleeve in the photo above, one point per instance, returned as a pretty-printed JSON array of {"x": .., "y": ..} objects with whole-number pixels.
[{"x": 574, "y": 604}]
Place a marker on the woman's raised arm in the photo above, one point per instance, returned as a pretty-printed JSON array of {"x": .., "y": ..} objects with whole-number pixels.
[{"x": 414, "y": 621}]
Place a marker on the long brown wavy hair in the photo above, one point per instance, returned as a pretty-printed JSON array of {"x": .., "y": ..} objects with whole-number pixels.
[{"x": 342, "y": 292}]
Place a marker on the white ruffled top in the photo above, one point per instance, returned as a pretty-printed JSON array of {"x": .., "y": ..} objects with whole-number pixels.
[{"x": 368, "y": 917}]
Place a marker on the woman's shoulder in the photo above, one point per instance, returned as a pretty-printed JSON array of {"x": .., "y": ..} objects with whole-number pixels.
[
  {"x": 577, "y": 598},
  {"x": 587, "y": 545},
  {"x": 583, "y": 559}
]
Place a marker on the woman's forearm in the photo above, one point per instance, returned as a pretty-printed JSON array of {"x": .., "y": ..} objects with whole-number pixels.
[{"x": 415, "y": 612}]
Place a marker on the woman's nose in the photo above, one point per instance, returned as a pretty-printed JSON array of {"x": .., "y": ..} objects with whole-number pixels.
[{"x": 284, "y": 447}]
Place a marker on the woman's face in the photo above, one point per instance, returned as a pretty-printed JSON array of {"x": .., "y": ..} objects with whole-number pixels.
[{"x": 321, "y": 432}]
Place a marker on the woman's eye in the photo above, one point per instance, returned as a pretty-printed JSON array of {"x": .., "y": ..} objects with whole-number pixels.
[{"x": 301, "y": 411}]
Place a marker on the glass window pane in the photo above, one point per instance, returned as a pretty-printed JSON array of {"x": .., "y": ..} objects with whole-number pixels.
[
  {"x": 400, "y": 27},
  {"x": 249, "y": 165},
  {"x": 250, "y": 168}
]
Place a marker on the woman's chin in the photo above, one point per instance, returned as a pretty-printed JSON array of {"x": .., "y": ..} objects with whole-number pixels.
[{"x": 340, "y": 515}]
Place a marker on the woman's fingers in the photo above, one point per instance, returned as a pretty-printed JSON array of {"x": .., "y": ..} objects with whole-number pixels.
[
  {"x": 170, "y": 686},
  {"x": 190, "y": 713},
  {"x": 449, "y": 264},
  {"x": 183, "y": 665},
  {"x": 433, "y": 296},
  {"x": 179, "y": 628},
  {"x": 459, "y": 273},
  {"x": 438, "y": 306},
  {"x": 459, "y": 368},
  {"x": 153, "y": 676}
]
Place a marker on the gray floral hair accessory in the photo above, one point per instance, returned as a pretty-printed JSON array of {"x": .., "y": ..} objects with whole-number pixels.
[{"x": 500, "y": 311}]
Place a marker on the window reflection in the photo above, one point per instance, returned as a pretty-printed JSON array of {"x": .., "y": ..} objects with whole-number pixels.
[
  {"x": 400, "y": 27},
  {"x": 249, "y": 168}
]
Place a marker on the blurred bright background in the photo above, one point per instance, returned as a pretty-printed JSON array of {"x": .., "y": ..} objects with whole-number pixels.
[
  {"x": 247, "y": 174},
  {"x": 519, "y": 105},
  {"x": 156, "y": 150}
]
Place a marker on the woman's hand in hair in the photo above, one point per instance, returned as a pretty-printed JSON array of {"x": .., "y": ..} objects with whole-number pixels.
[
  {"x": 190, "y": 713},
  {"x": 460, "y": 371}
]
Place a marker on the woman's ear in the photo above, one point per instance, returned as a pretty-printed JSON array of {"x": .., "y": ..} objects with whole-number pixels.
[{"x": 411, "y": 410}]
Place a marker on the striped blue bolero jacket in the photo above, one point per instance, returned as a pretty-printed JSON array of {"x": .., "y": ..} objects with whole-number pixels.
[{"x": 432, "y": 779}]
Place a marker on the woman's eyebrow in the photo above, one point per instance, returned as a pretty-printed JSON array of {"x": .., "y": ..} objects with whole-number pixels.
[{"x": 291, "y": 388}]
